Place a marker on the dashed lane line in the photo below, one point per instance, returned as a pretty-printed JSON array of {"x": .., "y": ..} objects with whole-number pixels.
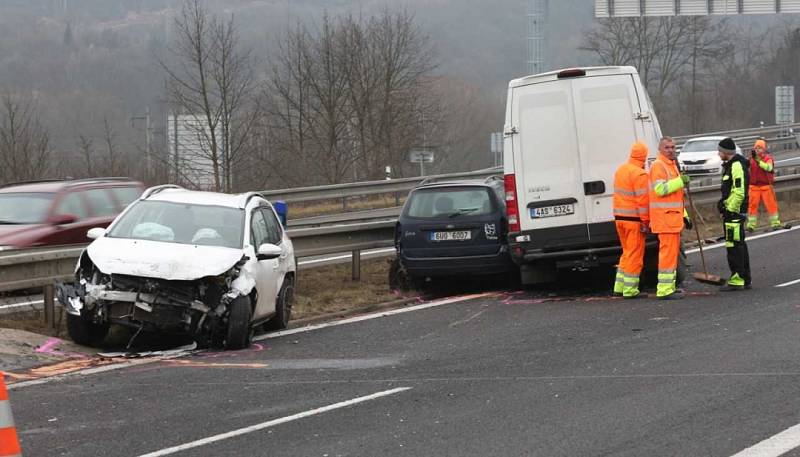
[
  {"x": 774, "y": 446},
  {"x": 790, "y": 283},
  {"x": 273, "y": 423}
]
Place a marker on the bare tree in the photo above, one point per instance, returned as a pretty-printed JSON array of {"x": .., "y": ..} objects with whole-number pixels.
[
  {"x": 86, "y": 150},
  {"x": 210, "y": 78},
  {"x": 24, "y": 142},
  {"x": 663, "y": 49},
  {"x": 111, "y": 159}
]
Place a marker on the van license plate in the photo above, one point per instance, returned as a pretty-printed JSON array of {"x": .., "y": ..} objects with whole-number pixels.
[
  {"x": 552, "y": 211},
  {"x": 451, "y": 236}
]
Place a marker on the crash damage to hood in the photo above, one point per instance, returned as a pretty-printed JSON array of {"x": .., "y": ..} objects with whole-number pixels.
[{"x": 154, "y": 259}]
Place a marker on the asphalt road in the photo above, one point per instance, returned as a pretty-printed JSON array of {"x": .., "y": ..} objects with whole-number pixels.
[{"x": 545, "y": 374}]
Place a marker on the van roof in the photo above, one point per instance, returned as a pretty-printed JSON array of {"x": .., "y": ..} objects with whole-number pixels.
[{"x": 590, "y": 71}]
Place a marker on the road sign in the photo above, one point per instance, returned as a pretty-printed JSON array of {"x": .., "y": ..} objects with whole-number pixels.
[
  {"x": 496, "y": 141},
  {"x": 784, "y": 105},
  {"x": 421, "y": 156}
]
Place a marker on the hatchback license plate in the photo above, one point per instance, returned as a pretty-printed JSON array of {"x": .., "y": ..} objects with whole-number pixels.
[
  {"x": 451, "y": 236},
  {"x": 552, "y": 211}
]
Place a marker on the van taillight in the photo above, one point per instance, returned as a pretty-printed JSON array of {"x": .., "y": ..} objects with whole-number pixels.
[{"x": 512, "y": 206}]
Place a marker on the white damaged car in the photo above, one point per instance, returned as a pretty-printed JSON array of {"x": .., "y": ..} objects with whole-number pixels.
[{"x": 210, "y": 265}]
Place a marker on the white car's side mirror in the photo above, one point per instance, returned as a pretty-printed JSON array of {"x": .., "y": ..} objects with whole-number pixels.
[
  {"x": 269, "y": 251},
  {"x": 95, "y": 233}
]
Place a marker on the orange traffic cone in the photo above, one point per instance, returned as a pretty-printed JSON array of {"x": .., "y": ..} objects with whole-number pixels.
[{"x": 9, "y": 444}]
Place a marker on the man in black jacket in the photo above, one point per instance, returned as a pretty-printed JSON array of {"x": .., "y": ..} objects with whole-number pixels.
[{"x": 733, "y": 207}]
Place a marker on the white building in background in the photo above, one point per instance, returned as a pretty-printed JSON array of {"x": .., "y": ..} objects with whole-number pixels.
[{"x": 189, "y": 140}]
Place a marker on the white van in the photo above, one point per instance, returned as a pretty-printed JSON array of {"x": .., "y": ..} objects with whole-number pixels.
[{"x": 566, "y": 134}]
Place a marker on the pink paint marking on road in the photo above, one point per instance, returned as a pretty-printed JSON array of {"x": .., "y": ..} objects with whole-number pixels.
[{"x": 49, "y": 346}]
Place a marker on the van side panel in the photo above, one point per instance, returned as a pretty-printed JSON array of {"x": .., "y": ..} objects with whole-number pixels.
[{"x": 546, "y": 154}]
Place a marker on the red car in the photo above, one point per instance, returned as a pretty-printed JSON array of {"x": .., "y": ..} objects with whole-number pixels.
[{"x": 45, "y": 213}]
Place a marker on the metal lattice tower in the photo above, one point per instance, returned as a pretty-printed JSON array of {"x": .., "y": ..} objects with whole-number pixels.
[{"x": 537, "y": 29}]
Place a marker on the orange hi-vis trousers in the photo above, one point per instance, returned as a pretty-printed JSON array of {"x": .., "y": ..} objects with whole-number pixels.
[
  {"x": 669, "y": 248},
  {"x": 632, "y": 260},
  {"x": 767, "y": 195}
]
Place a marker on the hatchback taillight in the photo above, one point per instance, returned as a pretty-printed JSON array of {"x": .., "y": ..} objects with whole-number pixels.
[{"x": 512, "y": 206}]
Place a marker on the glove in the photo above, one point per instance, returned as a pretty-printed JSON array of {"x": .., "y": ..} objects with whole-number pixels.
[
  {"x": 644, "y": 228},
  {"x": 753, "y": 153},
  {"x": 687, "y": 222},
  {"x": 721, "y": 206},
  {"x": 686, "y": 179}
]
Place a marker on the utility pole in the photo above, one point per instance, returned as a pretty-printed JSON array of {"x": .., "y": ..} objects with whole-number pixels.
[{"x": 537, "y": 29}]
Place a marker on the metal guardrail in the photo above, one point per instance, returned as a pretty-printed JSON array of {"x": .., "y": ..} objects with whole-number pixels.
[
  {"x": 389, "y": 186},
  {"x": 773, "y": 131}
]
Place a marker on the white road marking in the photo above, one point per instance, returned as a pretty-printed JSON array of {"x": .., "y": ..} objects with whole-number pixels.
[
  {"x": 750, "y": 238},
  {"x": 787, "y": 160},
  {"x": 272, "y": 423},
  {"x": 790, "y": 283},
  {"x": 367, "y": 317},
  {"x": 775, "y": 446}
]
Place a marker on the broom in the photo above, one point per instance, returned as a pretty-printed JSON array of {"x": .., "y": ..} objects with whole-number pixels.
[{"x": 703, "y": 277}]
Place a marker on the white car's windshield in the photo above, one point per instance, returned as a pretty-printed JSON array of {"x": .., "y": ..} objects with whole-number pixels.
[
  {"x": 181, "y": 223},
  {"x": 701, "y": 146}
]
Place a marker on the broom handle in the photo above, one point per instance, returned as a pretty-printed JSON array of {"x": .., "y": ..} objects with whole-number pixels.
[{"x": 696, "y": 230}]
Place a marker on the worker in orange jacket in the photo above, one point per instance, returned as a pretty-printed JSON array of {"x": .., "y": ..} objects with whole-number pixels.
[
  {"x": 762, "y": 176},
  {"x": 632, "y": 218},
  {"x": 667, "y": 216}
]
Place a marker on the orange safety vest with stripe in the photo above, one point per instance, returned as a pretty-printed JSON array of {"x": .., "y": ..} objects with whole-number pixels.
[
  {"x": 666, "y": 196},
  {"x": 631, "y": 192}
]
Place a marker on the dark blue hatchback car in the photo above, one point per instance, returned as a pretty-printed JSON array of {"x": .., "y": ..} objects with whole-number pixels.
[{"x": 451, "y": 229}]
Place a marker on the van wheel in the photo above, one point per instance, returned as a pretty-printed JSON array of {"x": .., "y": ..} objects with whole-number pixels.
[
  {"x": 283, "y": 307},
  {"x": 86, "y": 332},
  {"x": 239, "y": 332}
]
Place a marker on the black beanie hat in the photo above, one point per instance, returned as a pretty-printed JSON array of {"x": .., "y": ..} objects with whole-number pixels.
[{"x": 727, "y": 145}]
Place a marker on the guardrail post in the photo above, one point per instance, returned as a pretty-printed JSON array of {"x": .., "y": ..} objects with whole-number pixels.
[
  {"x": 397, "y": 199},
  {"x": 357, "y": 265},
  {"x": 49, "y": 306}
]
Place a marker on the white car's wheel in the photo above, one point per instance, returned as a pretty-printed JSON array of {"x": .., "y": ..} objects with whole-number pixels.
[
  {"x": 85, "y": 332},
  {"x": 239, "y": 332},
  {"x": 283, "y": 306}
]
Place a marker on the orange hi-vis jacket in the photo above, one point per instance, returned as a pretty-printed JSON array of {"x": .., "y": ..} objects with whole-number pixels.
[
  {"x": 666, "y": 196},
  {"x": 631, "y": 192}
]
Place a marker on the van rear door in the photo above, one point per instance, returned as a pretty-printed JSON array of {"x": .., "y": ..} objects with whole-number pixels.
[
  {"x": 546, "y": 160},
  {"x": 610, "y": 118}
]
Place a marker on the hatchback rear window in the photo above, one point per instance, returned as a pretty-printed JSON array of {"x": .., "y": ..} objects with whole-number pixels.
[
  {"x": 24, "y": 208},
  {"x": 450, "y": 202}
]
